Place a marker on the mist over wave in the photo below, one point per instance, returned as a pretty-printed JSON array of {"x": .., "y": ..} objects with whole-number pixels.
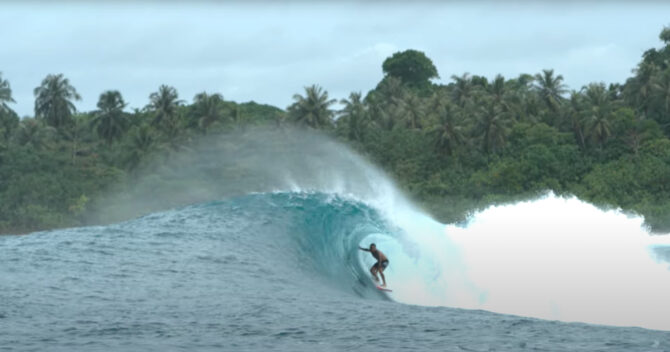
[{"x": 551, "y": 258}]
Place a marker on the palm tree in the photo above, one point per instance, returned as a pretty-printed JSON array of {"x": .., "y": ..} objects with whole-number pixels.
[
  {"x": 386, "y": 102},
  {"x": 353, "y": 118},
  {"x": 109, "y": 121},
  {"x": 312, "y": 110},
  {"x": 575, "y": 117},
  {"x": 497, "y": 89},
  {"x": 5, "y": 95},
  {"x": 164, "y": 104},
  {"x": 391, "y": 90},
  {"x": 53, "y": 100},
  {"x": 9, "y": 121},
  {"x": 639, "y": 88},
  {"x": 208, "y": 109},
  {"x": 501, "y": 94},
  {"x": 550, "y": 88},
  {"x": 517, "y": 97},
  {"x": 379, "y": 112},
  {"x": 236, "y": 115},
  {"x": 141, "y": 142},
  {"x": 436, "y": 102},
  {"x": 492, "y": 126},
  {"x": 463, "y": 89},
  {"x": 33, "y": 133},
  {"x": 75, "y": 132},
  {"x": 412, "y": 111},
  {"x": 598, "y": 112},
  {"x": 599, "y": 128},
  {"x": 661, "y": 89},
  {"x": 448, "y": 131}
]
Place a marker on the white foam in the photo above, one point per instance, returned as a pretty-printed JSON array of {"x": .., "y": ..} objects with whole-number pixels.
[{"x": 551, "y": 258}]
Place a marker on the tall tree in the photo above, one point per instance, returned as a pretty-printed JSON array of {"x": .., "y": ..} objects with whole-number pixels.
[
  {"x": 208, "y": 109},
  {"x": 448, "y": 131},
  {"x": 661, "y": 91},
  {"x": 412, "y": 67},
  {"x": 521, "y": 100},
  {"x": 140, "y": 143},
  {"x": 499, "y": 91},
  {"x": 9, "y": 121},
  {"x": 665, "y": 35},
  {"x": 353, "y": 118},
  {"x": 413, "y": 111},
  {"x": 34, "y": 134},
  {"x": 492, "y": 127},
  {"x": 109, "y": 121},
  {"x": 598, "y": 112},
  {"x": 164, "y": 104},
  {"x": 463, "y": 89},
  {"x": 313, "y": 109},
  {"x": 75, "y": 133},
  {"x": 54, "y": 100},
  {"x": 385, "y": 102},
  {"x": 575, "y": 116},
  {"x": 550, "y": 88},
  {"x": 5, "y": 95},
  {"x": 638, "y": 90},
  {"x": 236, "y": 115}
]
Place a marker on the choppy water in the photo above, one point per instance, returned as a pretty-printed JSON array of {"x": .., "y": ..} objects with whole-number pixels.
[{"x": 275, "y": 271}]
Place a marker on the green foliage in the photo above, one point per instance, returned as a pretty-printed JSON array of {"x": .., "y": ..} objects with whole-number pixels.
[
  {"x": 354, "y": 118},
  {"x": 43, "y": 189},
  {"x": 5, "y": 96},
  {"x": 9, "y": 122},
  {"x": 454, "y": 147},
  {"x": 164, "y": 104},
  {"x": 412, "y": 67},
  {"x": 54, "y": 101},
  {"x": 550, "y": 89},
  {"x": 312, "y": 110},
  {"x": 110, "y": 122},
  {"x": 207, "y": 110}
]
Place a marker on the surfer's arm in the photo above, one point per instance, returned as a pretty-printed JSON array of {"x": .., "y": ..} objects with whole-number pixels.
[{"x": 363, "y": 249}]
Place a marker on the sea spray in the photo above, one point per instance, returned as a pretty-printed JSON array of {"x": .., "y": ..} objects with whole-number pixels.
[
  {"x": 561, "y": 258},
  {"x": 510, "y": 264}
]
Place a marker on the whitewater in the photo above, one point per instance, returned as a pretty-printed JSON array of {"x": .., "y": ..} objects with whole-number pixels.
[{"x": 268, "y": 259}]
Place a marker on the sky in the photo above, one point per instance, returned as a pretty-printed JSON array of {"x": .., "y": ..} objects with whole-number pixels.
[{"x": 269, "y": 51}]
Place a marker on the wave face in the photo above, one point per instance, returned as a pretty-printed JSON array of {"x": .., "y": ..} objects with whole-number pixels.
[{"x": 312, "y": 236}]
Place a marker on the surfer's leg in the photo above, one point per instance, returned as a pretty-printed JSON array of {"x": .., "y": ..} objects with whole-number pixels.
[
  {"x": 381, "y": 268},
  {"x": 373, "y": 271}
]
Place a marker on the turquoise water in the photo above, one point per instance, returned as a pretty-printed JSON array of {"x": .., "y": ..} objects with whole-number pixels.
[{"x": 276, "y": 271}]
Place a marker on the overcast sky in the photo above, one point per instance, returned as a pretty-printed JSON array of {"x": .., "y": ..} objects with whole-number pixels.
[{"x": 267, "y": 52}]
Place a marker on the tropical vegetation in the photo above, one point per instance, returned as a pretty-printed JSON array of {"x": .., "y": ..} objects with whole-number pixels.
[{"x": 454, "y": 147}]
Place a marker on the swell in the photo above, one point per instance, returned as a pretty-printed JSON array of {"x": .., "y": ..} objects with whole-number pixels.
[{"x": 315, "y": 234}]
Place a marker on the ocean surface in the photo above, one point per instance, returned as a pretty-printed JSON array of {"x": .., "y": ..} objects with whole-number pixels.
[
  {"x": 257, "y": 249},
  {"x": 267, "y": 271}
]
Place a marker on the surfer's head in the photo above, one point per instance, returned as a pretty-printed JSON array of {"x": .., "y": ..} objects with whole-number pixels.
[{"x": 373, "y": 247}]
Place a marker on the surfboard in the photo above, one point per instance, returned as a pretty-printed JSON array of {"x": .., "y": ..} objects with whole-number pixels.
[{"x": 383, "y": 288}]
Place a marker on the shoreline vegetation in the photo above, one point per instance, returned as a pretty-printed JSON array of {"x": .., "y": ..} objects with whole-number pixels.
[{"x": 454, "y": 147}]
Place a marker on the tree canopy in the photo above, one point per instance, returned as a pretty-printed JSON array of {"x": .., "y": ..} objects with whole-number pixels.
[
  {"x": 470, "y": 142},
  {"x": 412, "y": 67},
  {"x": 54, "y": 100}
]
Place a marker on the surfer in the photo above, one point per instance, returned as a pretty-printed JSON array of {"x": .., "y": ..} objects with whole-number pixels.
[{"x": 380, "y": 265}]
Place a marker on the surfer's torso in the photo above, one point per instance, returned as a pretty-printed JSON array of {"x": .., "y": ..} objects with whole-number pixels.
[{"x": 379, "y": 256}]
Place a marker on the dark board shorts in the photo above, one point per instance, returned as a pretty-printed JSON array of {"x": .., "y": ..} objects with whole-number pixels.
[{"x": 382, "y": 265}]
